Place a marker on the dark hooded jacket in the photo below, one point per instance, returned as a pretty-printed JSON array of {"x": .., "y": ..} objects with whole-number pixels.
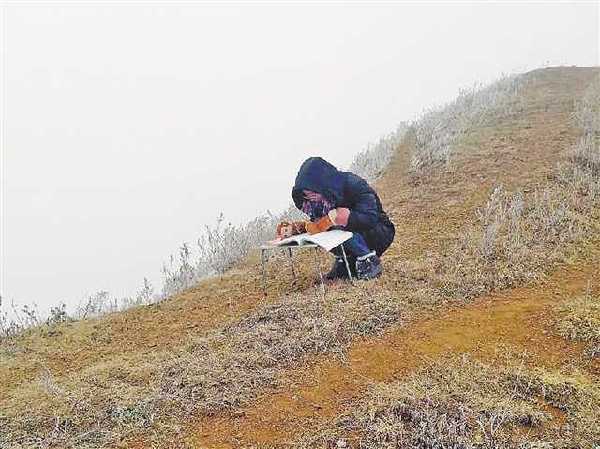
[{"x": 346, "y": 189}]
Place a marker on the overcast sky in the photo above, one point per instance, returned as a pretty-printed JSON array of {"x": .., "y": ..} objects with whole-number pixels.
[{"x": 126, "y": 128}]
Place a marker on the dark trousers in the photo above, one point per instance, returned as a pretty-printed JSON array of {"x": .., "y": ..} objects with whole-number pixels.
[
  {"x": 377, "y": 239},
  {"x": 354, "y": 247}
]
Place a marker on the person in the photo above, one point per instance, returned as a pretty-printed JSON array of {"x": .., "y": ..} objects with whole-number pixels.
[{"x": 335, "y": 199}]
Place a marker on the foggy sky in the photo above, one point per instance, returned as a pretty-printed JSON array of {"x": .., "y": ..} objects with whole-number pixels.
[{"x": 126, "y": 128}]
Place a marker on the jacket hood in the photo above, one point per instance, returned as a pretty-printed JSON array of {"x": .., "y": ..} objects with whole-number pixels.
[{"x": 320, "y": 176}]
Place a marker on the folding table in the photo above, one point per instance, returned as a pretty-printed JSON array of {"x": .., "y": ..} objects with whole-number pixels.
[{"x": 266, "y": 248}]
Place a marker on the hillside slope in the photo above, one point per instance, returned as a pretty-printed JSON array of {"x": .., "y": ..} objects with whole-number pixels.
[
  {"x": 516, "y": 322},
  {"x": 222, "y": 366},
  {"x": 522, "y": 152}
]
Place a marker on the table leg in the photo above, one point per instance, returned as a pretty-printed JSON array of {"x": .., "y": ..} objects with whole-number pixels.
[
  {"x": 320, "y": 272},
  {"x": 347, "y": 264},
  {"x": 292, "y": 264},
  {"x": 264, "y": 272}
]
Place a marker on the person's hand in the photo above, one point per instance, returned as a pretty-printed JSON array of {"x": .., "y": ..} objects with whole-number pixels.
[
  {"x": 287, "y": 229},
  {"x": 335, "y": 217},
  {"x": 341, "y": 216},
  {"x": 321, "y": 225},
  {"x": 284, "y": 230}
]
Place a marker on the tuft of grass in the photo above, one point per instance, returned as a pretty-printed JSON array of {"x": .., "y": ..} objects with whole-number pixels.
[
  {"x": 516, "y": 238},
  {"x": 587, "y": 109},
  {"x": 583, "y": 172},
  {"x": 460, "y": 402},
  {"x": 573, "y": 393},
  {"x": 579, "y": 319}
]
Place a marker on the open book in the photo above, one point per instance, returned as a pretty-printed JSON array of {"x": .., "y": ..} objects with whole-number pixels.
[{"x": 326, "y": 240}]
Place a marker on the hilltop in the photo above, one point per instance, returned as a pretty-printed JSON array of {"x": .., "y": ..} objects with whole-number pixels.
[{"x": 483, "y": 332}]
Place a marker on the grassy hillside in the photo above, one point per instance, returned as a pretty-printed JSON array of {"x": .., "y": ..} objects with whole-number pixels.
[{"x": 482, "y": 332}]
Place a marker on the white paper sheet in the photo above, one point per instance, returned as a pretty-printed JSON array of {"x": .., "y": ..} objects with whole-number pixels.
[{"x": 326, "y": 240}]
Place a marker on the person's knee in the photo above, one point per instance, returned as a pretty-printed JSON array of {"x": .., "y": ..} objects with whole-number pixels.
[
  {"x": 381, "y": 239},
  {"x": 357, "y": 245}
]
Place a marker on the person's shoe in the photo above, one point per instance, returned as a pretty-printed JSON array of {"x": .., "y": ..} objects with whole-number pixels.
[
  {"x": 368, "y": 266},
  {"x": 339, "y": 270}
]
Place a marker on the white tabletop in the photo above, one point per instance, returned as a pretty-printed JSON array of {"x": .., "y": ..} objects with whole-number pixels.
[{"x": 304, "y": 245}]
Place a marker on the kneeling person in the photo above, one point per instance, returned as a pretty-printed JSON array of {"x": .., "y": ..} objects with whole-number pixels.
[{"x": 335, "y": 199}]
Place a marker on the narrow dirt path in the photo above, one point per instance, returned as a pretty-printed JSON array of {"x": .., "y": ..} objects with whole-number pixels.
[{"x": 518, "y": 318}]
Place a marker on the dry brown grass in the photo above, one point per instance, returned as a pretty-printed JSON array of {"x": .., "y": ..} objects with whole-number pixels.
[
  {"x": 460, "y": 402},
  {"x": 221, "y": 370},
  {"x": 579, "y": 319},
  {"x": 521, "y": 234},
  {"x": 518, "y": 237}
]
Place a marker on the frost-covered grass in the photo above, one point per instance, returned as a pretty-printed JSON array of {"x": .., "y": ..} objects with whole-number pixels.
[
  {"x": 583, "y": 172},
  {"x": 436, "y": 132},
  {"x": 218, "y": 249},
  {"x": 22, "y": 317},
  {"x": 519, "y": 234},
  {"x": 371, "y": 162},
  {"x": 225, "y": 368}
]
